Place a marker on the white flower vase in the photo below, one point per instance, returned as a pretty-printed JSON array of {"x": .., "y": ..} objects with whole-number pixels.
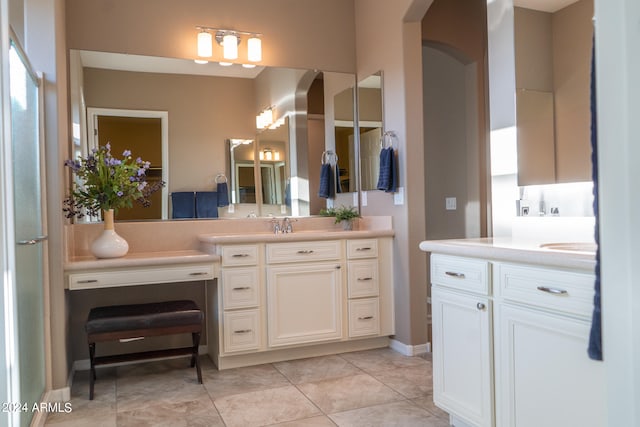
[{"x": 109, "y": 244}]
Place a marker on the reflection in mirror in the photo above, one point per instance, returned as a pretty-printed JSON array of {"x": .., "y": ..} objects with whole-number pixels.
[
  {"x": 207, "y": 105},
  {"x": 273, "y": 145},
  {"x": 371, "y": 128},
  {"x": 242, "y": 177},
  {"x": 345, "y": 140}
]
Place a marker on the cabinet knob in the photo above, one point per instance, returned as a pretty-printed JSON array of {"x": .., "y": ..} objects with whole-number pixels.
[{"x": 481, "y": 306}]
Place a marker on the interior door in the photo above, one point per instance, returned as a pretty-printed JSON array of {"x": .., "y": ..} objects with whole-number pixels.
[{"x": 29, "y": 229}]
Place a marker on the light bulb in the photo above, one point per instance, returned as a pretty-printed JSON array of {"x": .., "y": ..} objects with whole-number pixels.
[
  {"x": 254, "y": 49},
  {"x": 205, "y": 49},
  {"x": 230, "y": 46}
]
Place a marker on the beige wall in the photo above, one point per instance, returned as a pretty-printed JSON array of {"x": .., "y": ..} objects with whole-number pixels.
[
  {"x": 533, "y": 49},
  {"x": 396, "y": 52},
  {"x": 203, "y": 112},
  {"x": 296, "y": 33}
]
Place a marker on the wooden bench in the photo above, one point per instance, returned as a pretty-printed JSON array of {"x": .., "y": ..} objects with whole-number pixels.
[{"x": 120, "y": 322}]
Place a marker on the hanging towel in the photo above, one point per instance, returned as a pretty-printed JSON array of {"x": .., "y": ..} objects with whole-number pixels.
[
  {"x": 595, "y": 336},
  {"x": 223, "y": 194},
  {"x": 206, "y": 204},
  {"x": 337, "y": 176},
  {"x": 287, "y": 194},
  {"x": 387, "y": 177},
  {"x": 327, "y": 189},
  {"x": 183, "y": 204}
]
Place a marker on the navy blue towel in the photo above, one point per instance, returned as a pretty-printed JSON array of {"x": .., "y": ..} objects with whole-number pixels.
[
  {"x": 287, "y": 194},
  {"x": 595, "y": 337},
  {"x": 223, "y": 194},
  {"x": 337, "y": 176},
  {"x": 183, "y": 204},
  {"x": 206, "y": 204},
  {"x": 326, "y": 190},
  {"x": 387, "y": 177}
]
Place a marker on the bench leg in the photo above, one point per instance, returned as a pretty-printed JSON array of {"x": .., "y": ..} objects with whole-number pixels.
[
  {"x": 194, "y": 357},
  {"x": 92, "y": 373}
]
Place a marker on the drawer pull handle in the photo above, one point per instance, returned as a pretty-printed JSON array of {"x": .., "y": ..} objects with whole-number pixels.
[
  {"x": 480, "y": 306},
  {"x": 552, "y": 290},
  {"x": 242, "y": 288},
  {"x": 239, "y": 255},
  {"x": 364, "y": 279},
  {"x": 305, "y": 252},
  {"x": 243, "y": 331},
  {"x": 198, "y": 273},
  {"x": 88, "y": 281},
  {"x": 454, "y": 274},
  {"x": 363, "y": 249},
  {"x": 365, "y": 318}
]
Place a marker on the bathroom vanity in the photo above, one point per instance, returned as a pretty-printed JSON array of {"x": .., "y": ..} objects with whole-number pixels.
[
  {"x": 267, "y": 296},
  {"x": 511, "y": 323}
]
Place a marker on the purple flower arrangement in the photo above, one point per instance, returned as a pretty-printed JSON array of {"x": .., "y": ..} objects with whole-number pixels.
[{"x": 105, "y": 182}]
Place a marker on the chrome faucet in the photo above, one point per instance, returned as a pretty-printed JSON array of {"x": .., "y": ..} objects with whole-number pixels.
[
  {"x": 276, "y": 226},
  {"x": 286, "y": 226}
]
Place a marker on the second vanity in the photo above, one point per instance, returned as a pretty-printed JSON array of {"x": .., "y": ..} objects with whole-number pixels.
[
  {"x": 267, "y": 296},
  {"x": 511, "y": 322}
]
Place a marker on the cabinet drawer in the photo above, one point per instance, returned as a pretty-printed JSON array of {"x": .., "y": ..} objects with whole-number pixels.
[
  {"x": 363, "y": 278},
  {"x": 364, "y": 317},
  {"x": 362, "y": 248},
  {"x": 567, "y": 291},
  {"x": 241, "y": 330},
  {"x": 240, "y": 288},
  {"x": 140, "y": 276},
  {"x": 303, "y": 251},
  {"x": 239, "y": 255},
  {"x": 466, "y": 274}
]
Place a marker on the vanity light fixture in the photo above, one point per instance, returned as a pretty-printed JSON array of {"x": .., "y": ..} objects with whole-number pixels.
[
  {"x": 269, "y": 155},
  {"x": 229, "y": 40}
]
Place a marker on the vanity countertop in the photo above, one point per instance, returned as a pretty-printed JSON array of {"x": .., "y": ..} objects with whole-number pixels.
[
  {"x": 140, "y": 259},
  {"x": 513, "y": 250},
  {"x": 296, "y": 236}
]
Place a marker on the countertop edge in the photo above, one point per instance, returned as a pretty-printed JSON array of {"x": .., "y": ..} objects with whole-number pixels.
[
  {"x": 142, "y": 260},
  {"x": 293, "y": 237},
  {"x": 542, "y": 257}
]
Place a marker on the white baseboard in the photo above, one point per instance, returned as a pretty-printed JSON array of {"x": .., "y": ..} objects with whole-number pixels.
[
  {"x": 84, "y": 365},
  {"x": 409, "y": 350}
]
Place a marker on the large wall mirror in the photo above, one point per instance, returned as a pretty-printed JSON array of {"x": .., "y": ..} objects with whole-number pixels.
[
  {"x": 370, "y": 117},
  {"x": 552, "y": 59},
  {"x": 211, "y": 125}
]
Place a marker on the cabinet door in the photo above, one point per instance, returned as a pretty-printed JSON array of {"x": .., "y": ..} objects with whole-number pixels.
[
  {"x": 462, "y": 356},
  {"x": 304, "y": 303},
  {"x": 545, "y": 377}
]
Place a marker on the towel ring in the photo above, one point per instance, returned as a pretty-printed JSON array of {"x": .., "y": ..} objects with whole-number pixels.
[
  {"x": 221, "y": 176},
  {"x": 389, "y": 139},
  {"x": 329, "y": 157}
]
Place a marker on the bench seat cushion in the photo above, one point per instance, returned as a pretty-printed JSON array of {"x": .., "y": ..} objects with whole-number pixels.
[{"x": 143, "y": 316}]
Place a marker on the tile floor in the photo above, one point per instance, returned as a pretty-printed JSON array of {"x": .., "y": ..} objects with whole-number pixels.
[{"x": 366, "y": 388}]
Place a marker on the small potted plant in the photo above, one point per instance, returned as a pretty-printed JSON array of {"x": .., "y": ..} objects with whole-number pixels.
[{"x": 343, "y": 214}]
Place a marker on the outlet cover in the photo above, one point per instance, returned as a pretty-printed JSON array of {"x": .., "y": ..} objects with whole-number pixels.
[
  {"x": 231, "y": 208},
  {"x": 450, "y": 203},
  {"x": 398, "y": 196},
  {"x": 363, "y": 198}
]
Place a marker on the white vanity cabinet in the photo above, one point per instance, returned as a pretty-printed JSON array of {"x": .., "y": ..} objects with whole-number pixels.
[
  {"x": 543, "y": 374},
  {"x": 287, "y": 298},
  {"x": 462, "y": 338},
  {"x": 241, "y": 298},
  {"x": 510, "y": 344},
  {"x": 304, "y": 292}
]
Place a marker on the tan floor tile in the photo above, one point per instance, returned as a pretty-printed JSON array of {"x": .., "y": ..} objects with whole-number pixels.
[
  {"x": 196, "y": 413},
  {"x": 316, "y": 369},
  {"x": 242, "y": 380},
  {"x": 93, "y": 421},
  {"x": 321, "y": 421},
  {"x": 397, "y": 414},
  {"x": 382, "y": 359},
  {"x": 265, "y": 407},
  {"x": 426, "y": 402},
  {"x": 346, "y": 393},
  {"x": 411, "y": 382}
]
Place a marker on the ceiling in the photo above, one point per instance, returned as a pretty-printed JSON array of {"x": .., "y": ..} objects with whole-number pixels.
[{"x": 550, "y": 6}]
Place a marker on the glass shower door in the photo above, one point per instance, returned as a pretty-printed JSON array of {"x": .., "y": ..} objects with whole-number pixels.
[{"x": 28, "y": 226}]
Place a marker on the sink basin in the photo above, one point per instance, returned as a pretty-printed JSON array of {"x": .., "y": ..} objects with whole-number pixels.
[{"x": 587, "y": 247}]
